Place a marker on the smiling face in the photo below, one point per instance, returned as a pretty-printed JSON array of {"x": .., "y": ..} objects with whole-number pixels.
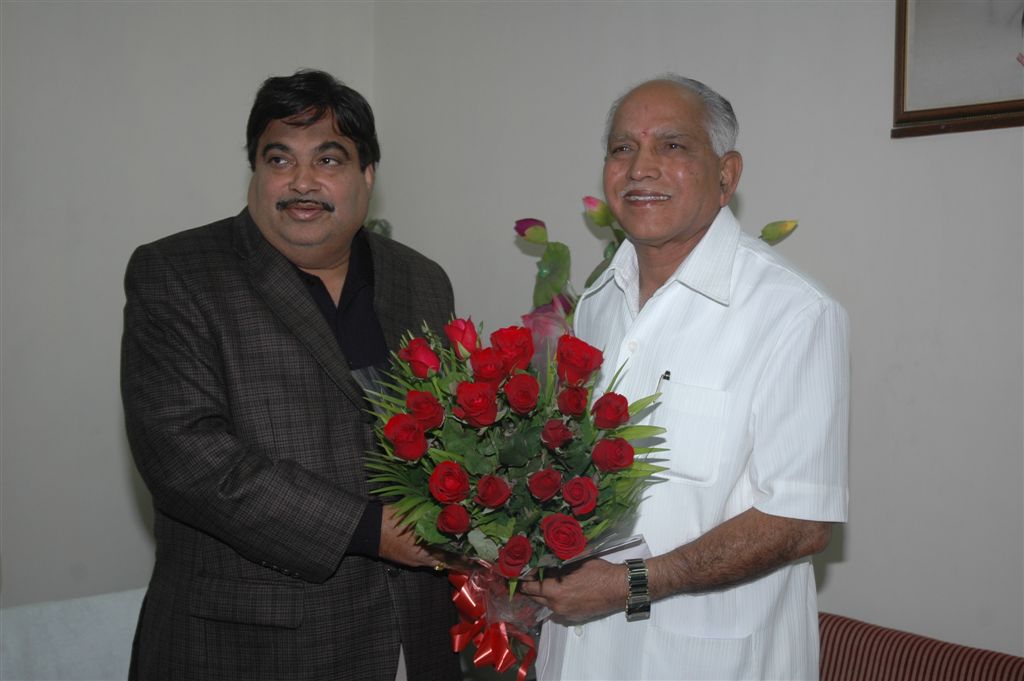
[
  {"x": 662, "y": 179},
  {"x": 308, "y": 195}
]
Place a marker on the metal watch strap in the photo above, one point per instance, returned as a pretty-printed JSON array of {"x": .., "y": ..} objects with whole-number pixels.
[{"x": 638, "y": 600}]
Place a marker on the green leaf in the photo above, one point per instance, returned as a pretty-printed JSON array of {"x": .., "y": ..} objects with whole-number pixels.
[
  {"x": 641, "y": 404},
  {"x": 520, "y": 447},
  {"x": 638, "y": 432},
  {"x": 485, "y": 547},
  {"x": 649, "y": 450},
  {"x": 552, "y": 273},
  {"x": 439, "y": 455},
  {"x": 500, "y": 529},
  {"x": 426, "y": 527}
]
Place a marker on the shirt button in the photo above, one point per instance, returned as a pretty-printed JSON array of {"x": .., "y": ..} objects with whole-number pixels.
[
  {"x": 578, "y": 630},
  {"x": 632, "y": 345}
]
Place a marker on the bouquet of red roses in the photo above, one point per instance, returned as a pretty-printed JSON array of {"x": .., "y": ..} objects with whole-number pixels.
[{"x": 489, "y": 460}]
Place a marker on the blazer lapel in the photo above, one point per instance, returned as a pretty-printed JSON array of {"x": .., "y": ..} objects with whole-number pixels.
[
  {"x": 390, "y": 299},
  {"x": 275, "y": 280}
]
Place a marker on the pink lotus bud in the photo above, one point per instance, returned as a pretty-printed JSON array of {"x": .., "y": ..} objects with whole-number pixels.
[
  {"x": 533, "y": 230},
  {"x": 598, "y": 212}
]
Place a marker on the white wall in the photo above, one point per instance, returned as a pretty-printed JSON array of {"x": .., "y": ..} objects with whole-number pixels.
[
  {"x": 489, "y": 112},
  {"x": 122, "y": 122}
]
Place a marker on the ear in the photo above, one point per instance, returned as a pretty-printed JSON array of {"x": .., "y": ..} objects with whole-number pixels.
[
  {"x": 369, "y": 175},
  {"x": 730, "y": 167}
]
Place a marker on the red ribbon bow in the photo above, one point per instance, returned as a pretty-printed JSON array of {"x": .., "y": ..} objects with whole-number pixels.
[{"x": 491, "y": 639}]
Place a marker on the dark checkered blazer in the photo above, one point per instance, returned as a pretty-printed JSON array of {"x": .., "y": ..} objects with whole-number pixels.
[{"x": 250, "y": 433}]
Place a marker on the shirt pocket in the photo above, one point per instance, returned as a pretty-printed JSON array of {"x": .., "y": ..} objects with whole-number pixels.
[{"x": 694, "y": 419}]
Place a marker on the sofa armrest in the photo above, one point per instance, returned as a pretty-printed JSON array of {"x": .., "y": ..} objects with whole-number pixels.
[{"x": 852, "y": 650}]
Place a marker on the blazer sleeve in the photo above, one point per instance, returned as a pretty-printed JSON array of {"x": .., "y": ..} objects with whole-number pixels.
[{"x": 271, "y": 510}]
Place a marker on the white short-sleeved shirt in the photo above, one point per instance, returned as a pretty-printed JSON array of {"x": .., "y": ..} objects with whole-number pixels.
[{"x": 756, "y": 403}]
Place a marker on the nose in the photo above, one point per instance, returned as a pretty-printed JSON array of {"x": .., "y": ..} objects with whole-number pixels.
[
  {"x": 644, "y": 165},
  {"x": 304, "y": 179}
]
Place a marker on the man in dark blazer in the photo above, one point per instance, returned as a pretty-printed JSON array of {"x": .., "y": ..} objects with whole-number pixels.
[{"x": 242, "y": 343}]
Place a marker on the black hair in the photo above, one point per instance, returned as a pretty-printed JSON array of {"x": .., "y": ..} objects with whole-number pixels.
[{"x": 306, "y": 97}]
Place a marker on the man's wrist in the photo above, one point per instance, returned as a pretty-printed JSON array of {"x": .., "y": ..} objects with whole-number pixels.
[{"x": 638, "y": 594}]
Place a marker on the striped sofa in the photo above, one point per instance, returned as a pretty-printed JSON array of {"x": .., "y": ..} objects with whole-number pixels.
[{"x": 852, "y": 650}]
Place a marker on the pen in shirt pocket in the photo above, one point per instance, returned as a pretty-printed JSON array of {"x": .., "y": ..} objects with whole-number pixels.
[{"x": 664, "y": 378}]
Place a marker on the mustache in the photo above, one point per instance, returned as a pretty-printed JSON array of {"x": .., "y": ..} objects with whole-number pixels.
[{"x": 284, "y": 204}]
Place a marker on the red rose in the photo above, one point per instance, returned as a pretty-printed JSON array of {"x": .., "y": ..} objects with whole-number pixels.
[
  {"x": 462, "y": 335},
  {"x": 477, "y": 404},
  {"x": 421, "y": 359},
  {"x": 544, "y": 483},
  {"x": 563, "y": 535},
  {"x": 572, "y": 401},
  {"x": 406, "y": 436},
  {"x": 488, "y": 366},
  {"x": 581, "y": 494},
  {"x": 555, "y": 434},
  {"x": 453, "y": 519},
  {"x": 514, "y": 556},
  {"x": 449, "y": 483},
  {"x": 492, "y": 491},
  {"x": 610, "y": 410},
  {"x": 612, "y": 454},
  {"x": 522, "y": 391},
  {"x": 425, "y": 408},
  {"x": 515, "y": 343},
  {"x": 576, "y": 360}
]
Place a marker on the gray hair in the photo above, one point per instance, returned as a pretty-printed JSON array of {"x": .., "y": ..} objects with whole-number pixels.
[{"x": 720, "y": 122}]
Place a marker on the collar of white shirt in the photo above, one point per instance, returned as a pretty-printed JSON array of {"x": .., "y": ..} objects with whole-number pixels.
[{"x": 707, "y": 270}]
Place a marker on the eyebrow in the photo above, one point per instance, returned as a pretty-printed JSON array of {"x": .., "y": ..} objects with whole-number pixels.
[
  {"x": 330, "y": 145},
  {"x": 669, "y": 134}
]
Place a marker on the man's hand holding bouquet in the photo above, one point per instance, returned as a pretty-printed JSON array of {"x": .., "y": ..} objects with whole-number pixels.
[{"x": 485, "y": 457}]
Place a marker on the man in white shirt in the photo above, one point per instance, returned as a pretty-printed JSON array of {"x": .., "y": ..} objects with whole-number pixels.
[{"x": 751, "y": 359}]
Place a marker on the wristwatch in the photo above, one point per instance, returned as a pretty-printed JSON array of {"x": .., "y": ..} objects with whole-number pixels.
[{"x": 638, "y": 599}]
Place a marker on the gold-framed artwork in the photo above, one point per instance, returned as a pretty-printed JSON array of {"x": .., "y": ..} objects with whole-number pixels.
[{"x": 959, "y": 66}]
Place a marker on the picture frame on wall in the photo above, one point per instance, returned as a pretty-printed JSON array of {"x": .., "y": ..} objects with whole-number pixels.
[{"x": 959, "y": 66}]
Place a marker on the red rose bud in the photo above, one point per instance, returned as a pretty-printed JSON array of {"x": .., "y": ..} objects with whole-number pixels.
[
  {"x": 576, "y": 360},
  {"x": 563, "y": 535},
  {"x": 610, "y": 410},
  {"x": 425, "y": 408},
  {"x": 613, "y": 454},
  {"x": 533, "y": 230},
  {"x": 488, "y": 366},
  {"x": 492, "y": 491},
  {"x": 515, "y": 343},
  {"x": 449, "y": 483},
  {"x": 476, "y": 404},
  {"x": 514, "y": 556},
  {"x": 544, "y": 483},
  {"x": 406, "y": 437},
  {"x": 420, "y": 358},
  {"x": 453, "y": 519},
  {"x": 597, "y": 210},
  {"x": 555, "y": 434},
  {"x": 522, "y": 391},
  {"x": 462, "y": 335},
  {"x": 581, "y": 494},
  {"x": 572, "y": 401}
]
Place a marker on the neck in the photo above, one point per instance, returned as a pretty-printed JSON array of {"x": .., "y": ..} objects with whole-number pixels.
[
  {"x": 333, "y": 276},
  {"x": 656, "y": 263}
]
